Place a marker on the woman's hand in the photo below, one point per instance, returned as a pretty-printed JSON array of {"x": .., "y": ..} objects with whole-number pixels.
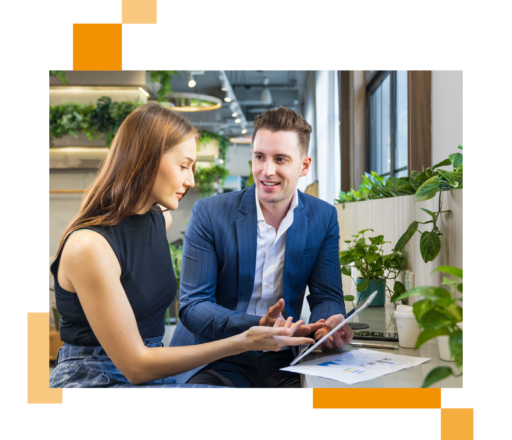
[{"x": 263, "y": 338}]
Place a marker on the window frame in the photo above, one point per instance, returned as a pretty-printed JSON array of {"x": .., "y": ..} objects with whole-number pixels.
[{"x": 376, "y": 78}]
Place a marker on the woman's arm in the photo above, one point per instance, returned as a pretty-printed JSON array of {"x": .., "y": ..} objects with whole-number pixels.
[{"x": 89, "y": 264}]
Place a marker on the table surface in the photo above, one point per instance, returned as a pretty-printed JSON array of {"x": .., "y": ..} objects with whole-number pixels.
[{"x": 381, "y": 319}]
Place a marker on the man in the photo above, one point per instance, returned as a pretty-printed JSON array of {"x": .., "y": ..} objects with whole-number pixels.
[{"x": 249, "y": 255}]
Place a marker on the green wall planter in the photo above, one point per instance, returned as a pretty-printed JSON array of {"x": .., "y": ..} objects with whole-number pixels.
[{"x": 379, "y": 300}]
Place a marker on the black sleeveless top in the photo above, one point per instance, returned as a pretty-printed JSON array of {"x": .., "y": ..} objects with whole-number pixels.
[{"x": 147, "y": 276}]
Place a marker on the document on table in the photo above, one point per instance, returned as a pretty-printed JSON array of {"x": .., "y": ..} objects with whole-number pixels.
[{"x": 356, "y": 366}]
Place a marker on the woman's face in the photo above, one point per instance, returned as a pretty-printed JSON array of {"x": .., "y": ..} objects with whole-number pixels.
[{"x": 175, "y": 174}]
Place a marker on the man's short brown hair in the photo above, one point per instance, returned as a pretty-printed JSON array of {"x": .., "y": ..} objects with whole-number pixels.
[{"x": 284, "y": 119}]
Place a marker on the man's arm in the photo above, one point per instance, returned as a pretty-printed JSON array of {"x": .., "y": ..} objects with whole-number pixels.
[
  {"x": 326, "y": 294},
  {"x": 199, "y": 311}
]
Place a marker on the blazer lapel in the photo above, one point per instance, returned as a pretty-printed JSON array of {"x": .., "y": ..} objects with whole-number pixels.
[
  {"x": 246, "y": 235},
  {"x": 295, "y": 244}
]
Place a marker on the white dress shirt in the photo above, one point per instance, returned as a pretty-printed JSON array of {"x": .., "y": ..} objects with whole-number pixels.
[{"x": 268, "y": 277}]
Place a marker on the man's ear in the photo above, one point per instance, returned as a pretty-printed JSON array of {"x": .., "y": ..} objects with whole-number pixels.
[{"x": 306, "y": 165}]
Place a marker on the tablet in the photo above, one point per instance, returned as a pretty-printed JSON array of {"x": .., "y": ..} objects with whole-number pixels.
[{"x": 360, "y": 307}]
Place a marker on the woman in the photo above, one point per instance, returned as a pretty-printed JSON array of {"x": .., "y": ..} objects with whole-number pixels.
[{"x": 113, "y": 271}]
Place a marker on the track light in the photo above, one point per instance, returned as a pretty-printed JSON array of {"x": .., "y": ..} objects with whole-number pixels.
[
  {"x": 228, "y": 98},
  {"x": 238, "y": 120},
  {"x": 266, "y": 97},
  {"x": 224, "y": 84},
  {"x": 234, "y": 114},
  {"x": 244, "y": 131},
  {"x": 191, "y": 81}
]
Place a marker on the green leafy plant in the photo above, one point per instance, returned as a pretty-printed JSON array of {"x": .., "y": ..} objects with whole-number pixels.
[
  {"x": 176, "y": 256},
  {"x": 250, "y": 180},
  {"x": 207, "y": 176},
  {"x": 207, "y": 136},
  {"x": 164, "y": 77},
  {"x": 372, "y": 263},
  {"x": 70, "y": 119},
  {"x": 75, "y": 118},
  {"x": 61, "y": 74},
  {"x": 434, "y": 181},
  {"x": 374, "y": 186},
  {"x": 438, "y": 315}
]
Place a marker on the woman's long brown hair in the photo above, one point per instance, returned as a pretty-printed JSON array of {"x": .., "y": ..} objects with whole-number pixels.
[{"x": 124, "y": 184}]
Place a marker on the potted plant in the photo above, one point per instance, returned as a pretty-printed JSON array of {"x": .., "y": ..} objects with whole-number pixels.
[
  {"x": 439, "y": 314},
  {"x": 374, "y": 266}
]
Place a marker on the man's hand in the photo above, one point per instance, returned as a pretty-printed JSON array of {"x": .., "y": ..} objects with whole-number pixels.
[
  {"x": 338, "y": 339},
  {"x": 274, "y": 313}
]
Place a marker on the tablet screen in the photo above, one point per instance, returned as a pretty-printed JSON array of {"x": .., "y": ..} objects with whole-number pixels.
[{"x": 361, "y": 306}]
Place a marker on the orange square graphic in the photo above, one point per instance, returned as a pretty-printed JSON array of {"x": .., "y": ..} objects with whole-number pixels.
[
  {"x": 139, "y": 11},
  {"x": 97, "y": 46},
  {"x": 457, "y": 424}
]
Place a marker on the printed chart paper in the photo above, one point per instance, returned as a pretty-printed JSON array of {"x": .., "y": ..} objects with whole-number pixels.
[{"x": 356, "y": 366}]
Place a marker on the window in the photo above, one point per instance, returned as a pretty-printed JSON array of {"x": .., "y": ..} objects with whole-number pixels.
[{"x": 386, "y": 114}]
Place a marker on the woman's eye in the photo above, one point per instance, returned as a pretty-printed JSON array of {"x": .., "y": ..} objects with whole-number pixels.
[{"x": 184, "y": 168}]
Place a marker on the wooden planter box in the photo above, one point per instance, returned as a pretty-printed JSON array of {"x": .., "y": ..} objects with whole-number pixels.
[{"x": 392, "y": 216}]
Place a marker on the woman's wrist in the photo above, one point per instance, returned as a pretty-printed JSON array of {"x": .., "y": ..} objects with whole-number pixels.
[{"x": 240, "y": 343}]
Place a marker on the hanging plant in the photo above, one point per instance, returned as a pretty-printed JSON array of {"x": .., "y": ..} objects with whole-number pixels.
[
  {"x": 164, "y": 77},
  {"x": 207, "y": 136}
]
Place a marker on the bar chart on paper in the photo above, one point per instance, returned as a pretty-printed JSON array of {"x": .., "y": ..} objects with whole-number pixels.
[{"x": 356, "y": 366}]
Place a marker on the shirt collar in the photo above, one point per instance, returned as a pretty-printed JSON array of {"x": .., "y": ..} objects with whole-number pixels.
[{"x": 293, "y": 205}]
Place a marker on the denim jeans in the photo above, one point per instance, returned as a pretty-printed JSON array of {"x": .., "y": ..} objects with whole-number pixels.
[{"x": 90, "y": 367}]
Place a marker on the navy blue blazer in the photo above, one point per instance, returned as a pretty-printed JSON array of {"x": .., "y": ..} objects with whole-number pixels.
[{"x": 219, "y": 262}]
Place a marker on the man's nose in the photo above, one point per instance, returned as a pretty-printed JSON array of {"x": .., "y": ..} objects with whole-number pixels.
[{"x": 269, "y": 169}]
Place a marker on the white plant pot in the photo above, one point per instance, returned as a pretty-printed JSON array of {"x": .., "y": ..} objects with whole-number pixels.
[
  {"x": 407, "y": 326},
  {"x": 444, "y": 346}
]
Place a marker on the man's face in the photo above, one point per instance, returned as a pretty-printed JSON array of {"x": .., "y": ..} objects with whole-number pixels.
[{"x": 277, "y": 164}]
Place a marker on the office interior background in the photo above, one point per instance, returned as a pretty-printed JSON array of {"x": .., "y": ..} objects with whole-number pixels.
[{"x": 392, "y": 123}]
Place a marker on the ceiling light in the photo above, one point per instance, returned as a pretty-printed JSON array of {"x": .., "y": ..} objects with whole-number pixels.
[
  {"x": 235, "y": 114},
  {"x": 224, "y": 86},
  {"x": 227, "y": 98},
  {"x": 244, "y": 131},
  {"x": 146, "y": 94},
  {"x": 191, "y": 81},
  {"x": 238, "y": 120},
  {"x": 266, "y": 97}
]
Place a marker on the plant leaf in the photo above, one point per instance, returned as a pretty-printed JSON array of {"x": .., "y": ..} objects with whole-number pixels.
[
  {"x": 399, "y": 287},
  {"x": 432, "y": 293},
  {"x": 435, "y": 319},
  {"x": 444, "y": 163},
  {"x": 427, "y": 335},
  {"x": 430, "y": 246},
  {"x": 427, "y": 190},
  {"x": 346, "y": 271},
  {"x": 404, "y": 239},
  {"x": 447, "y": 175},
  {"x": 363, "y": 286},
  {"x": 433, "y": 214},
  {"x": 451, "y": 270},
  {"x": 349, "y": 298},
  {"x": 456, "y": 160},
  {"x": 456, "y": 343},
  {"x": 436, "y": 375}
]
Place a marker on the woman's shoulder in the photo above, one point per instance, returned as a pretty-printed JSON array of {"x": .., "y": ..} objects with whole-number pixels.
[{"x": 85, "y": 247}]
